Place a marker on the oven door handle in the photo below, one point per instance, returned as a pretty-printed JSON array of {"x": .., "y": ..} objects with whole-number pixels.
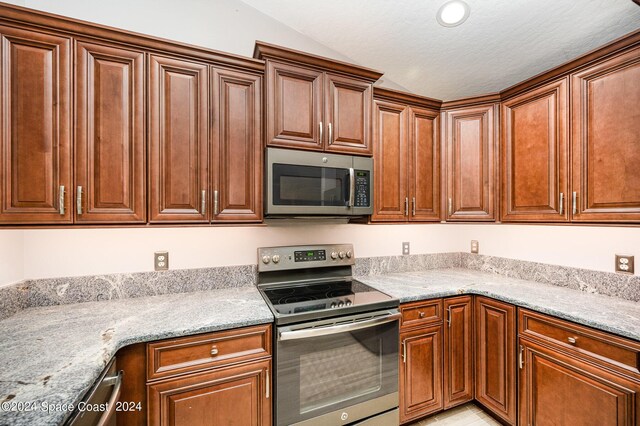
[{"x": 335, "y": 329}]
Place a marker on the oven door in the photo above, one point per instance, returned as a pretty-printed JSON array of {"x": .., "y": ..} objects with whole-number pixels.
[{"x": 337, "y": 371}]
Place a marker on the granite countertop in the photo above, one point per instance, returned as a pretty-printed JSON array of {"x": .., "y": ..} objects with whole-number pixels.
[
  {"x": 618, "y": 316},
  {"x": 54, "y": 354}
]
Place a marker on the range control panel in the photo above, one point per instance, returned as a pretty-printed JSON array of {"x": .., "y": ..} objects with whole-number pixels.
[
  {"x": 299, "y": 257},
  {"x": 363, "y": 186}
]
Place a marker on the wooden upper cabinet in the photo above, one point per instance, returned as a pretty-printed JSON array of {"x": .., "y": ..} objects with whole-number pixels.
[
  {"x": 470, "y": 163},
  {"x": 535, "y": 155},
  {"x": 495, "y": 373},
  {"x": 458, "y": 351},
  {"x": 391, "y": 162},
  {"x": 294, "y": 106},
  {"x": 606, "y": 140},
  {"x": 348, "y": 115},
  {"x": 424, "y": 164},
  {"x": 179, "y": 140},
  {"x": 236, "y": 165},
  {"x": 110, "y": 172},
  {"x": 35, "y": 114}
]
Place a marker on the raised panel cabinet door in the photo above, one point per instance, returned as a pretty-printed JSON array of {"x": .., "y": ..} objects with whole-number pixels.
[
  {"x": 606, "y": 140},
  {"x": 458, "y": 351},
  {"x": 535, "y": 155},
  {"x": 424, "y": 164},
  {"x": 236, "y": 167},
  {"x": 560, "y": 390},
  {"x": 470, "y": 164},
  {"x": 390, "y": 174},
  {"x": 420, "y": 372},
  {"x": 348, "y": 115},
  {"x": 294, "y": 106},
  {"x": 35, "y": 136},
  {"x": 179, "y": 140},
  {"x": 238, "y": 395},
  {"x": 110, "y": 134},
  {"x": 495, "y": 324}
]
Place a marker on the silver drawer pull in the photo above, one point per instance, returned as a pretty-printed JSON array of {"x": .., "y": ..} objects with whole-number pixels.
[
  {"x": 214, "y": 351},
  {"x": 421, "y": 314},
  {"x": 61, "y": 200},
  {"x": 572, "y": 340}
]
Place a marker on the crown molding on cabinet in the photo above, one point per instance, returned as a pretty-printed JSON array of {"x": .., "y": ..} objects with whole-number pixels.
[{"x": 406, "y": 97}]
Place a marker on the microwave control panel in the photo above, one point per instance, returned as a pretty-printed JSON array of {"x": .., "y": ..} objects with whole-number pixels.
[{"x": 363, "y": 184}]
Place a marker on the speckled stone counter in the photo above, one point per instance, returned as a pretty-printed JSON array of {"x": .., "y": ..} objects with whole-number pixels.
[
  {"x": 54, "y": 354},
  {"x": 606, "y": 313}
]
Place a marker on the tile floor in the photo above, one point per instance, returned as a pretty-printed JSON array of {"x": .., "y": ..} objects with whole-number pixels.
[{"x": 465, "y": 415}]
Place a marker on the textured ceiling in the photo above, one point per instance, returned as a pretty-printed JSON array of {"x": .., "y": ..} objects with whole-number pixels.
[{"x": 502, "y": 43}]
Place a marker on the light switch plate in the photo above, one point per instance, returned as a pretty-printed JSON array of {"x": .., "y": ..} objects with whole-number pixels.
[
  {"x": 475, "y": 245},
  {"x": 624, "y": 264},
  {"x": 161, "y": 260},
  {"x": 405, "y": 248}
]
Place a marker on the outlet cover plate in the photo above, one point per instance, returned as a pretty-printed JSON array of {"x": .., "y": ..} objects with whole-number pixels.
[
  {"x": 406, "y": 248},
  {"x": 475, "y": 246},
  {"x": 624, "y": 264},
  {"x": 161, "y": 260}
]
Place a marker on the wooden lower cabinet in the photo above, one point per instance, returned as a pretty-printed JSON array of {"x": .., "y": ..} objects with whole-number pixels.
[
  {"x": 562, "y": 390},
  {"x": 458, "y": 351},
  {"x": 420, "y": 372},
  {"x": 495, "y": 335},
  {"x": 236, "y": 395}
]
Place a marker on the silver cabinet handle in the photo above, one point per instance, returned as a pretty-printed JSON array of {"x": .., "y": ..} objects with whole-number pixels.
[
  {"x": 79, "y": 200},
  {"x": 320, "y": 131},
  {"x": 115, "y": 395},
  {"x": 572, "y": 340},
  {"x": 574, "y": 202},
  {"x": 61, "y": 200},
  {"x": 352, "y": 187},
  {"x": 406, "y": 206},
  {"x": 330, "y": 134},
  {"x": 404, "y": 351},
  {"x": 335, "y": 329},
  {"x": 561, "y": 202},
  {"x": 450, "y": 209},
  {"x": 215, "y": 202},
  {"x": 413, "y": 206},
  {"x": 267, "y": 384},
  {"x": 520, "y": 357},
  {"x": 449, "y": 317},
  {"x": 214, "y": 350},
  {"x": 421, "y": 314},
  {"x": 203, "y": 201}
]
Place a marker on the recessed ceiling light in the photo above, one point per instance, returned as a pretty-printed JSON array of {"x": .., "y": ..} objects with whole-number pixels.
[{"x": 453, "y": 13}]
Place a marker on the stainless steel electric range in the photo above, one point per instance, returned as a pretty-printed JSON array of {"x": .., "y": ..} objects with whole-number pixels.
[{"x": 336, "y": 339}]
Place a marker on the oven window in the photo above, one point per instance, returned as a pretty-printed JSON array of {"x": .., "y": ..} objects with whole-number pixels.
[
  {"x": 309, "y": 185},
  {"x": 329, "y": 377}
]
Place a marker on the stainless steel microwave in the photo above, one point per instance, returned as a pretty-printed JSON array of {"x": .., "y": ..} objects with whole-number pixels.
[{"x": 304, "y": 183}]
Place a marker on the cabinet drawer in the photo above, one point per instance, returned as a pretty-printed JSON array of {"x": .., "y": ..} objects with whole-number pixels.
[
  {"x": 416, "y": 314},
  {"x": 582, "y": 340},
  {"x": 188, "y": 354}
]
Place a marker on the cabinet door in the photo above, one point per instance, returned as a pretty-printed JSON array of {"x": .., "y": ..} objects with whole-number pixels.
[
  {"x": 239, "y": 395},
  {"x": 236, "y": 166},
  {"x": 179, "y": 127},
  {"x": 606, "y": 140},
  {"x": 424, "y": 165},
  {"x": 495, "y": 325},
  {"x": 458, "y": 351},
  {"x": 110, "y": 134},
  {"x": 557, "y": 389},
  {"x": 470, "y": 164},
  {"x": 390, "y": 166},
  {"x": 35, "y": 141},
  {"x": 348, "y": 115},
  {"x": 420, "y": 372},
  {"x": 535, "y": 155},
  {"x": 294, "y": 107}
]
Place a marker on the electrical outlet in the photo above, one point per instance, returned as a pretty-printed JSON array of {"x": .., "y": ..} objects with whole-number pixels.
[
  {"x": 475, "y": 245},
  {"x": 624, "y": 264},
  {"x": 405, "y": 248},
  {"x": 161, "y": 260}
]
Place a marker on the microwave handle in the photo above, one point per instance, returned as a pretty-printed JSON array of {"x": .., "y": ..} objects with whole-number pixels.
[
  {"x": 335, "y": 329},
  {"x": 352, "y": 187}
]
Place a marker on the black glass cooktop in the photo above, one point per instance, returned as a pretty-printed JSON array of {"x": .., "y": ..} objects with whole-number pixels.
[{"x": 325, "y": 299}]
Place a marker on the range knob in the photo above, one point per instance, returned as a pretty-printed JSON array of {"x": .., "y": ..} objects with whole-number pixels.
[
  {"x": 340, "y": 304},
  {"x": 341, "y": 254},
  {"x": 333, "y": 305},
  {"x": 275, "y": 258},
  {"x": 266, "y": 259},
  {"x": 349, "y": 254},
  {"x": 334, "y": 255},
  {"x": 348, "y": 303}
]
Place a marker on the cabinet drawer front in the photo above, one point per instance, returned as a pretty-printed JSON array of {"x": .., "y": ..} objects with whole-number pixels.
[
  {"x": 178, "y": 356},
  {"x": 420, "y": 313},
  {"x": 608, "y": 348}
]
